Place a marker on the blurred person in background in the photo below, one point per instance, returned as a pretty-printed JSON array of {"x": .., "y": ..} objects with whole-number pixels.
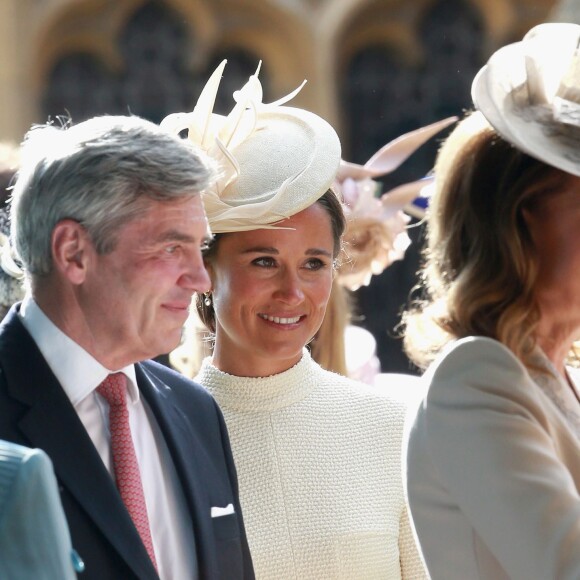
[{"x": 11, "y": 276}]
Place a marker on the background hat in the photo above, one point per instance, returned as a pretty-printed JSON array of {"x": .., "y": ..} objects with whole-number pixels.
[
  {"x": 376, "y": 232},
  {"x": 274, "y": 161},
  {"x": 529, "y": 92}
]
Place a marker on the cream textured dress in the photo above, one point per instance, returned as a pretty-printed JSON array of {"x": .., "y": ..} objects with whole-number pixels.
[{"x": 319, "y": 466}]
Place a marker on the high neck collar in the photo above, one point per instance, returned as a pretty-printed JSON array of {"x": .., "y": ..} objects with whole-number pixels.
[{"x": 262, "y": 393}]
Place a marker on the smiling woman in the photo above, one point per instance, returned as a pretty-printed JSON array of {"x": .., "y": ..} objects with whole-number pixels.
[
  {"x": 317, "y": 454},
  {"x": 270, "y": 289}
]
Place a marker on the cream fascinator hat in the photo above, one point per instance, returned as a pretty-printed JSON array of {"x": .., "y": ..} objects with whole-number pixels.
[
  {"x": 376, "y": 232},
  {"x": 274, "y": 161},
  {"x": 529, "y": 92}
]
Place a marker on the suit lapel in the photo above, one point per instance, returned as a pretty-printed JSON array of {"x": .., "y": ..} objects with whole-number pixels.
[
  {"x": 188, "y": 457},
  {"x": 52, "y": 424}
]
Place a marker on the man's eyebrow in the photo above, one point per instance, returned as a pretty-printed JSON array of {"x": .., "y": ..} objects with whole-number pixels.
[{"x": 175, "y": 236}]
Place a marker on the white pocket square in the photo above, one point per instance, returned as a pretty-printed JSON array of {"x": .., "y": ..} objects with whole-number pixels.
[{"x": 218, "y": 512}]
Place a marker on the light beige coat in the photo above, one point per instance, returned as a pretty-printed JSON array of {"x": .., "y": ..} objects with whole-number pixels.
[{"x": 493, "y": 468}]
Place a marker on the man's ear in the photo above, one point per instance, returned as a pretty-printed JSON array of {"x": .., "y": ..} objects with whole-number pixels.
[{"x": 71, "y": 246}]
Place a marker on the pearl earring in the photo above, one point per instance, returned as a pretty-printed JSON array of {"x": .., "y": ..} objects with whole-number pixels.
[{"x": 207, "y": 300}]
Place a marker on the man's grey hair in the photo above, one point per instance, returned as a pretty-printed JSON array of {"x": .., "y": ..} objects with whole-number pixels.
[{"x": 99, "y": 173}]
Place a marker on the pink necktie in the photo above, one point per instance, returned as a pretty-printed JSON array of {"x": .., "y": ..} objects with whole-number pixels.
[{"x": 113, "y": 389}]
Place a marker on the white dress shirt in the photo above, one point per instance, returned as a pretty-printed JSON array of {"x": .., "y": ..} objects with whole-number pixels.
[{"x": 79, "y": 375}]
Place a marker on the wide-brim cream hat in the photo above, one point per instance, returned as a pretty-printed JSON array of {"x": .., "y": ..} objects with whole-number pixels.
[
  {"x": 274, "y": 161},
  {"x": 529, "y": 92}
]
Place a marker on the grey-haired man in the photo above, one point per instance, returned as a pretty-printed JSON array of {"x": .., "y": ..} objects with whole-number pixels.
[{"x": 108, "y": 224}]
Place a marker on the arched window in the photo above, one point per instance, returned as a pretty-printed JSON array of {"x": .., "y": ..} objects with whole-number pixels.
[
  {"x": 154, "y": 46},
  {"x": 383, "y": 96},
  {"x": 156, "y": 78},
  {"x": 452, "y": 35},
  {"x": 79, "y": 87}
]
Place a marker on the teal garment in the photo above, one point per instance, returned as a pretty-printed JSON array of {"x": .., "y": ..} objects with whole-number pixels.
[{"x": 35, "y": 541}]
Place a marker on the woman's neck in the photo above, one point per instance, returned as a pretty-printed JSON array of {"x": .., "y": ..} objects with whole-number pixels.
[{"x": 556, "y": 345}]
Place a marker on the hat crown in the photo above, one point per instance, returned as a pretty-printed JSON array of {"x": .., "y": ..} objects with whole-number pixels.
[
  {"x": 289, "y": 142},
  {"x": 529, "y": 92},
  {"x": 274, "y": 161}
]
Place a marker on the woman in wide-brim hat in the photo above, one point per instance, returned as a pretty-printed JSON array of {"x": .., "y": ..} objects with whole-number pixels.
[
  {"x": 493, "y": 463},
  {"x": 317, "y": 454}
]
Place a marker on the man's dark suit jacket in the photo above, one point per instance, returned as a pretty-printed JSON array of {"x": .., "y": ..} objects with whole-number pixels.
[{"x": 35, "y": 411}]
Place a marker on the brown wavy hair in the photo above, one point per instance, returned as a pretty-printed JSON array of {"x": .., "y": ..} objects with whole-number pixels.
[{"x": 480, "y": 265}]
